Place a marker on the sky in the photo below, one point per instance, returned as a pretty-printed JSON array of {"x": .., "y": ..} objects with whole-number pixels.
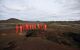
[{"x": 40, "y": 10}]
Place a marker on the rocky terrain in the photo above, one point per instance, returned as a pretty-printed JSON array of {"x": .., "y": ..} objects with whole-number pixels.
[{"x": 58, "y": 36}]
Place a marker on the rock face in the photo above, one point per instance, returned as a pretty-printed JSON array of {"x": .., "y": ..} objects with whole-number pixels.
[
  {"x": 68, "y": 38},
  {"x": 34, "y": 33},
  {"x": 74, "y": 38},
  {"x": 30, "y": 33}
]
